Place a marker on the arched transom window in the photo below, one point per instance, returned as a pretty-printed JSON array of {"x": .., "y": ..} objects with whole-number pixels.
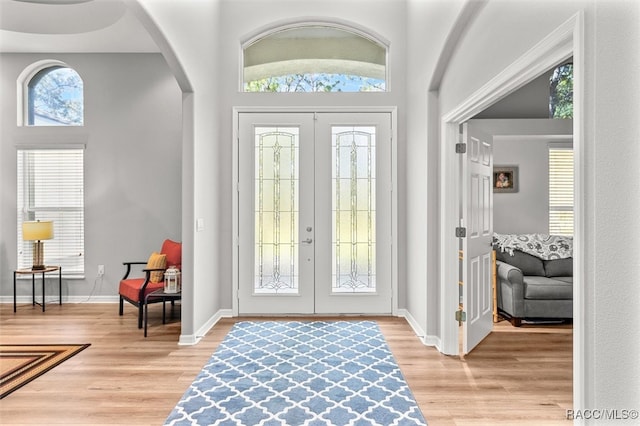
[
  {"x": 55, "y": 97},
  {"x": 314, "y": 58}
]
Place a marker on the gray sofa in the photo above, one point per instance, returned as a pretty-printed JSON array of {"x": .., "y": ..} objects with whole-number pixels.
[{"x": 532, "y": 288}]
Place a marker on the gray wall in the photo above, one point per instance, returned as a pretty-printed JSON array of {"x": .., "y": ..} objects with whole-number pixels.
[
  {"x": 530, "y": 101},
  {"x": 132, "y": 167},
  {"x": 524, "y": 143},
  {"x": 526, "y": 211}
]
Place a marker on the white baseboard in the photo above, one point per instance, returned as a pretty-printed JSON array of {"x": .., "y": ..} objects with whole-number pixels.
[
  {"x": 193, "y": 339},
  {"x": 426, "y": 339},
  {"x": 53, "y": 299},
  {"x": 433, "y": 341},
  {"x": 412, "y": 322}
]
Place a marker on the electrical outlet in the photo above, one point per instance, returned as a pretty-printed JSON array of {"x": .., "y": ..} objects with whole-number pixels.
[{"x": 100, "y": 270}]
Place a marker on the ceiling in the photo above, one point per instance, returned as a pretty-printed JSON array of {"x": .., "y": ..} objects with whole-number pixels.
[{"x": 76, "y": 26}]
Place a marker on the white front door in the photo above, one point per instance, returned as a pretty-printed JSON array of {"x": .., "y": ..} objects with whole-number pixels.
[
  {"x": 477, "y": 210},
  {"x": 314, "y": 219}
]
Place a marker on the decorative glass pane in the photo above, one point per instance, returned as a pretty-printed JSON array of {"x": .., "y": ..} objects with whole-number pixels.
[
  {"x": 354, "y": 209},
  {"x": 276, "y": 210}
]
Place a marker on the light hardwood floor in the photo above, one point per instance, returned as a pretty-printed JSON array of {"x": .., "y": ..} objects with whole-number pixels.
[{"x": 516, "y": 376}]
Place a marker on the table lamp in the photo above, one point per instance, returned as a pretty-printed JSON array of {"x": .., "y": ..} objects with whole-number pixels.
[{"x": 37, "y": 231}]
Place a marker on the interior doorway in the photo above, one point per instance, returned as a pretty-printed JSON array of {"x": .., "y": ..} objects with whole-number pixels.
[{"x": 563, "y": 43}]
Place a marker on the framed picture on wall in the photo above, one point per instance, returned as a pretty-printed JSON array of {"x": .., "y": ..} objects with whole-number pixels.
[{"x": 505, "y": 179}]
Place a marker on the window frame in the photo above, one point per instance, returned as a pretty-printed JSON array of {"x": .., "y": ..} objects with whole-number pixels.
[
  {"x": 26, "y": 211},
  {"x": 330, "y": 24},
  {"x": 23, "y": 90},
  {"x": 568, "y": 207}
]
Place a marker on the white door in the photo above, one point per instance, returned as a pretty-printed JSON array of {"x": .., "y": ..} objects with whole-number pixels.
[
  {"x": 477, "y": 211},
  {"x": 314, "y": 213}
]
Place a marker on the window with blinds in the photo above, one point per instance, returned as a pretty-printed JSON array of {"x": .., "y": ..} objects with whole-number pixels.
[
  {"x": 51, "y": 187},
  {"x": 561, "y": 189}
]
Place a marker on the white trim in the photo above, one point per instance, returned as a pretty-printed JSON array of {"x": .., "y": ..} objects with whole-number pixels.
[
  {"x": 580, "y": 346},
  {"x": 71, "y": 139},
  {"x": 393, "y": 111},
  {"x": 194, "y": 339},
  {"x": 417, "y": 329},
  {"x": 53, "y": 299},
  {"x": 235, "y": 227},
  {"x": 560, "y": 145},
  {"x": 394, "y": 211},
  {"x": 425, "y": 339},
  {"x": 435, "y": 341},
  {"x": 565, "y": 140},
  {"x": 52, "y": 145},
  {"x": 565, "y": 41},
  {"x": 310, "y": 21}
]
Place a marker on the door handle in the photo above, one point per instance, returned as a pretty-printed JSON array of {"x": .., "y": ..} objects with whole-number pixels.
[{"x": 307, "y": 241}]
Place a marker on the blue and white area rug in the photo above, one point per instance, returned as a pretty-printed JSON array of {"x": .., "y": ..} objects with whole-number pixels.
[{"x": 300, "y": 373}]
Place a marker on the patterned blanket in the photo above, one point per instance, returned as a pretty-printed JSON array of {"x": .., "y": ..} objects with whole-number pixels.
[{"x": 543, "y": 246}]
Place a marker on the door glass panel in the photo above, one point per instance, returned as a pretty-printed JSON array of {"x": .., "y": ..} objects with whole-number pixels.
[
  {"x": 354, "y": 209},
  {"x": 276, "y": 210}
]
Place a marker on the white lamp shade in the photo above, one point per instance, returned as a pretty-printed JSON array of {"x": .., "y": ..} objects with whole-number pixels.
[{"x": 35, "y": 231}]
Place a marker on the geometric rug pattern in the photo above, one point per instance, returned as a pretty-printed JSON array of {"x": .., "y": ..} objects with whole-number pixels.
[
  {"x": 300, "y": 373},
  {"x": 20, "y": 364}
]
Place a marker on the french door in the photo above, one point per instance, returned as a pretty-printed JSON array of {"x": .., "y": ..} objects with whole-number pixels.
[{"x": 314, "y": 216}]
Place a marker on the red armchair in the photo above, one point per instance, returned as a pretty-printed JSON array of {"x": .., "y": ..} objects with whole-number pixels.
[{"x": 134, "y": 290}]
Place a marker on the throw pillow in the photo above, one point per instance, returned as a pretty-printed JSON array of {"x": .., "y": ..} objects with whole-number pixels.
[
  {"x": 157, "y": 261},
  {"x": 173, "y": 250},
  {"x": 528, "y": 264},
  {"x": 559, "y": 267}
]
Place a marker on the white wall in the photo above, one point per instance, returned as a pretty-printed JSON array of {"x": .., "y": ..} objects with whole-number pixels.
[
  {"x": 428, "y": 24},
  {"x": 132, "y": 167},
  {"x": 612, "y": 228},
  {"x": 608, "y": 146},
  {"x": 187, "y": 33}
]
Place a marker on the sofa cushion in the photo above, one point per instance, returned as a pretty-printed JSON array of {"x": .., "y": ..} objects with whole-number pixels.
[
  {"x": 528, "y": 264},
  {"x": 565, "y": 279},
  {"x": 538, "y": 287},
  {"x": 130, "y": 288},
  {"x": 558, "y": 267}
]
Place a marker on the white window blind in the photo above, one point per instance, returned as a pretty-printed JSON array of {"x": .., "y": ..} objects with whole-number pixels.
[
  {"x": 561, "y": 189},
  {"x": 51, "y": 187}
]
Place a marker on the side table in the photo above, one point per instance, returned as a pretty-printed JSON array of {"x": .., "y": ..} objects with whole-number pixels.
[
  {"x": 33, "y": 274},
  {"x": 158, "y": 294}
]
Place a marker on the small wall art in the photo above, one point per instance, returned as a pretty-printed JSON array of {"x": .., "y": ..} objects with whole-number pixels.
[{"x": 505, "y": 179}]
